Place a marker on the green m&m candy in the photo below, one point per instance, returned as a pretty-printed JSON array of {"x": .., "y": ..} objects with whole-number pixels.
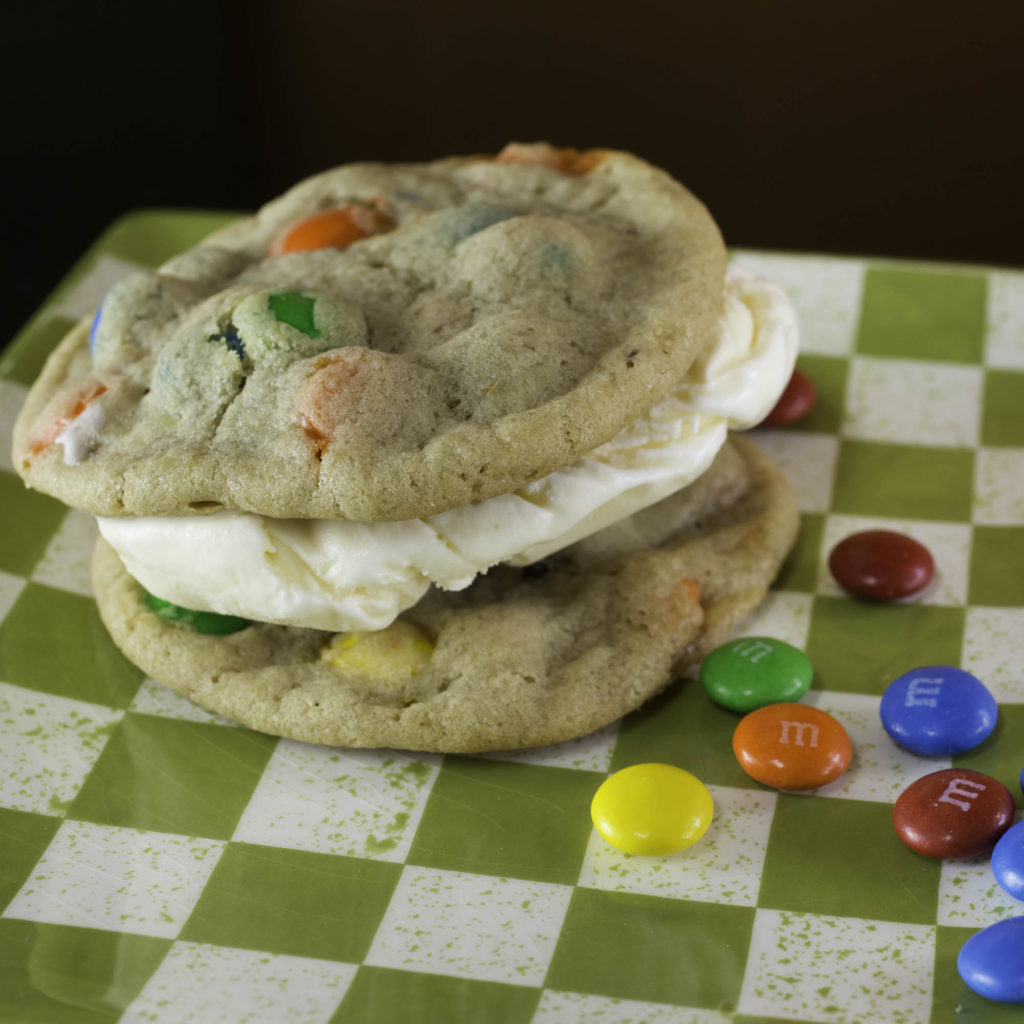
[
  {"x": 210, "y": 623},
  {"x": 752, "y": 671}
]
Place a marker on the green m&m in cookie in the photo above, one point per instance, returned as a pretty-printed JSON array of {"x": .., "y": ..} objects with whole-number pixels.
[
  {"x": 287, "y": 325},
  {"x": 211, "y": 623},
  {"x": 752, "y": 671}
]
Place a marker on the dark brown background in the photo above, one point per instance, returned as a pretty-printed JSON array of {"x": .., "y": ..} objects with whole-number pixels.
[{"x": 874, "y": 127}]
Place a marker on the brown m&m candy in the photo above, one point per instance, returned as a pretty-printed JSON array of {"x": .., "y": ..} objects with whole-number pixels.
[
  {"x": 795, "y": 402},
  {"x": 881, "y": 565},
  {"x": 953, "y": 813}
]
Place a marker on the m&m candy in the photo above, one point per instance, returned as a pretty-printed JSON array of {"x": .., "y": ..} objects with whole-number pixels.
[
  {"x": 336, "y": 228},
  {"x": 938, "y": 710},
  {"x": 66, "y": 406},
  {"x": 752, "y": 671},
  {"x": 881, "y": 565},
  {"x": 564, "y": 159},
  {"x": 211, "y": 623},
  {"x": 795, "y": 402},
  {"x": 94, "y": 330},
  {"x": 389, "y": 655},
  {"x": 792, "y": 746},
  {"x": 1008, "y": 861},
  {"x": 652, "y": 809},
  {"x": 991, "y": 962},
  {"x": 953, "y": 813}
]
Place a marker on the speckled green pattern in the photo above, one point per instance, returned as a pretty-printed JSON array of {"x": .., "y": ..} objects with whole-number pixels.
[{"x": 160, "y": 864}]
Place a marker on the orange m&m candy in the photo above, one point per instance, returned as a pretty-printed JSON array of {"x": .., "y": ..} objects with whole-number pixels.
[
  {"x": 564, "y": 159},
  {"x": 332, "y": 229},
  {"x": 64, "y": 408},
  {"x": 791, "y": 746}
]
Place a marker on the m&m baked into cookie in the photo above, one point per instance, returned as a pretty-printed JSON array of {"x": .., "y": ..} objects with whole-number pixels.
[{"x": 433, "y": 456}]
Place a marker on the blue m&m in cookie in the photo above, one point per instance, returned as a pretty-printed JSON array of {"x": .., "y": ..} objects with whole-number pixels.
[
  {"x": 94, "y": 329},
  {"x": 938, "y": 710}
]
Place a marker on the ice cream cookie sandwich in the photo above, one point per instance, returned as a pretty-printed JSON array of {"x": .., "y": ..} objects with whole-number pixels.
[{"x": 432, "y": 456}]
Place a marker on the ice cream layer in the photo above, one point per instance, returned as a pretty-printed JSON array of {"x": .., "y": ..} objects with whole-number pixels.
[{"x": 341, "y": 575}]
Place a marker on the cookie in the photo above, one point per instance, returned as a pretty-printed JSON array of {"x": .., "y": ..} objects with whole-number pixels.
[
  {"x": 523, "y": 657},
  {"x": 384, "y": 343}
]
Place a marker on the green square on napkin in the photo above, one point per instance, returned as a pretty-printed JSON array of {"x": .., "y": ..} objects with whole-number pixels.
[{"x": 914, "y": 314}]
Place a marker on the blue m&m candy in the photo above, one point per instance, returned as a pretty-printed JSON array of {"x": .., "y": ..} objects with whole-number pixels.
[
  {"x": 938, "y": 710},
  {"x": 1008, "y": 861},
  {"x": 93, "y": 329},
  {"x": 991, "y": 963}
]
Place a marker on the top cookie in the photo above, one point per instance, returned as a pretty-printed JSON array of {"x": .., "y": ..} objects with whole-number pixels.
[{"x": 384, "y": 342}]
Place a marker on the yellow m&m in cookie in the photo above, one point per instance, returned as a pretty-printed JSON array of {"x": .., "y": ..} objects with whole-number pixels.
[
  {"x": 652, "y": 809},
  {"x": 388, "y": 655}
]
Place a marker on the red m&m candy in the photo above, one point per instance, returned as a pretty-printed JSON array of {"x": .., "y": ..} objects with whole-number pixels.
[{"x": 881, "y": 565}]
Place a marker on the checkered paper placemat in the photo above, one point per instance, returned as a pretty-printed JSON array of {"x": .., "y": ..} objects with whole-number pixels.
[{"x": 160, "y": 864}]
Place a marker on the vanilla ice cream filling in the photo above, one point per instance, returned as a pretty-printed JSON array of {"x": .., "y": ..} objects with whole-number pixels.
[{"x": 340, "y": 575}]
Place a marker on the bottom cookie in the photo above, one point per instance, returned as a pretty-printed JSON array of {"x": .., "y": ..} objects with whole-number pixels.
[{"x": 521, "y": 658}]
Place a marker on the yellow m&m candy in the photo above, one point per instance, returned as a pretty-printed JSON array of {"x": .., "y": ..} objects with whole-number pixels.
[
  {"x": 389, "y": 655},
  {"x": 652, "y": 809}
]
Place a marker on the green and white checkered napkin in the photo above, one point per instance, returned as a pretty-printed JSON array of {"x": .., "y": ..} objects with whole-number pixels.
[{"x": 160, "y": 864}]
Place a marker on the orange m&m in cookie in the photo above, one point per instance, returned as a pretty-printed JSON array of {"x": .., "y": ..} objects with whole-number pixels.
[
  {"x": 337, "y": 228},
  {"x": 66, "y": 406},
  {"x": 564, "y": 158},
  {"x": 792, "y": 746}
]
